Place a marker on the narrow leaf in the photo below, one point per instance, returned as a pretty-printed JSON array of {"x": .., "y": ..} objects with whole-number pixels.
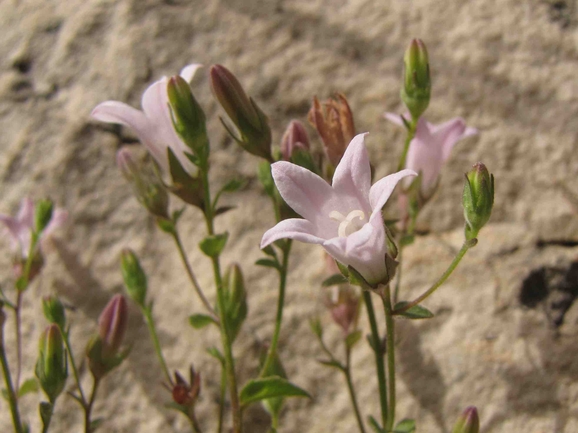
[
  {"x": 233, "y": 185},
  {"x": 212, "y": 246},
  {"x": 375, "y": 425},
  {"x": 223, "y": 209},
  {"x": 269, "y": 387},
  {"x": 268, "y": 263},
  {"x": 405, "y": 426},
  {"x": 415, "y": 312},
  {"x": 270, "y": 251},
  {"x": 334, "y": 280},
  {"x": 331, "y": 363},
  {"x": 29, "y": 385},
  {"x": 214, "y": 352},
  {"x": 95, "y": 423},
  {"x": 352, "y": 339},
  {"x": 199, "y": 321}
]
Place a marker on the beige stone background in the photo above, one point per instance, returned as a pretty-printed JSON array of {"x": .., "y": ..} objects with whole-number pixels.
[{"x": 507, "y": 66}]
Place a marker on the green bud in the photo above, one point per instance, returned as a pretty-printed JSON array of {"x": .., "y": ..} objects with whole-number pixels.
[
  {"x": 235, "y": 300},
  {"x": 134, "y": 277},
  {"x": 416, "y": 89},
  {"x": 42, "y": 214},
  {"x": 478, "y": 199},
  {"x": 468, "y": 422},
  {"x": 188, "y": 118},
  {"x": 54, "y": 311},
  {"x": 52, "y": 364},
  {"x": 251, "y": 122}
]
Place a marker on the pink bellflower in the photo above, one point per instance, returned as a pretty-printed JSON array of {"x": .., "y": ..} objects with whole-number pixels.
[
  {"x": 153, "y": 125},
  {"x": 431, "y": 147},
  {"x": 20, "y": 227},
  {"x": 345, "y": 217}
]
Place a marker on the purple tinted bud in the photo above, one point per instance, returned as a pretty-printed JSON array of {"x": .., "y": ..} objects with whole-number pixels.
[
  {"x": 112, "y": 324},
  {"x": 468, "y": 422},
  {"x": 295, "y": 137}
]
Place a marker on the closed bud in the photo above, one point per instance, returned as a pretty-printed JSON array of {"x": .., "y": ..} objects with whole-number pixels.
[
  {"x": 468, "y": 422},
  {"x": 342, "y": 301},
  {"x": 250, "y": 121},
  {"x": 103, "y": 350},
  {"x": 188, "y": 118},
  {"x": 416, "y": 89},
  {"x": 333, "y": 121},
  {"x": 295, "y": 138},
  {"x": 186, "y": 393},
  {"x": 134, "y": 277},
  {"x": 147, "y": 186},
  {"x": 42, "y": 214},
  {"x": 478, "y": 199},
  {"x": 235, "y": 300},
  {"x": 52, "y": 364},
  {"x": 54, "y": 311}
]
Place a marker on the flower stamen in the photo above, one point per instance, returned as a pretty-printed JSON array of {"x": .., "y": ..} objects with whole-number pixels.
[{"x": 347, "y": 224}]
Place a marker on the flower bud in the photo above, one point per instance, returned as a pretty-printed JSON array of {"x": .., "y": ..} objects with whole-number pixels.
[
  {"x": 134, "y": 277},
  {"x": 235, "y": 300},
  {"x": 147, "y": 186},
  {"x": 468, "y": 422},
  {"x": 251, "y": 122},
  {"x": 333, "y": 121},
  {"x": 294, "y": 138},
  {"x": 478, "y": 199},
  {"x": 188, "y": 118},
  {"x": 54, "y": 311},
  {"x": 42, "y": 214},
  {"x": 103, "y": 350},
  {"x": 52, "y": 364},
  {"x": 342, "y": 301},
  {"x": 186, "y": 393},
  {"x": 416, "y": 89}
]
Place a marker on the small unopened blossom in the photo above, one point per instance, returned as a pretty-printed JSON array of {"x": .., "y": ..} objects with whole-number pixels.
[
  {"x": 52, "y": 364},
  {"x": 468, "y": 422},
  {"x": 186, "y": 393},
  {"x": 345, "y": 217},
  {"x": 333, "y": 121},
  {"x": 416, "y": 89},
  {"x": 153, "y": 125},
  {"x": 342, "y": 301},
  {"x": 295, "y": 138},
  {"x": 431, "y": 147}
]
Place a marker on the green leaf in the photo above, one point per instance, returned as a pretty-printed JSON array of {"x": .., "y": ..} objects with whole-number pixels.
[
  {"x": 268, "y": 263},
  {"x": 29, "y": 385},
  {"x": 375, "y": 425},
  {"x": 331, "y": 363},
  {"x": 233, "y": 185},
  {"x": 334, "y": 280},
  {"x": 5, "y": 394},
  {"x": 45, "y": 410},
  {"x": 223, "y": 209},
  {"x": 270, "y": 251},
  {"x": 415, "y": 312},
  {"x": 405, "y": 426},
  {"x": 199, "y": 321},
  {"x": 316, "y": 327},
  {"x": 406, "y": 240},
  {"x": 269, "y": 387},
  {"x": 352, "y": 339},
  {"x": 214, "y": 352},
  {"x": 95, "y": 423},
  {"x": 212, "y": 246}
]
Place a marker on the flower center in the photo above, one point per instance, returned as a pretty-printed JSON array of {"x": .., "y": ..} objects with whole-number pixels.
[{"x": 349, "y": 224}]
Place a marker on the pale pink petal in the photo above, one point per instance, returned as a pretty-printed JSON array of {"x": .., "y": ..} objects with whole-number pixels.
[
  {"x": 59, "y": 217},
  {"x": 119, "y": 112},
  {"x": 449, "y": 133},
  {"x": 294, "y": 228},
  {"x": 188, "y": 72},
  {"x": 26, "y": 213},
  {"x": 352, "y": 176},
  {"x": 307, "y": 194},
  {"x": 394, "y": 118},
  {"x": 382, "y": 190},
  {"x": 13, "y": 230},
  {"x": 425, "y": 155}
]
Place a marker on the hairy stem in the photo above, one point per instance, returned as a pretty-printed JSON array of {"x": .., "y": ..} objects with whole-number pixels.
[
  {"x": 390, "y": 326},
  {"x": 222, "y": 393},
  {"x": 350, "y": 387}
]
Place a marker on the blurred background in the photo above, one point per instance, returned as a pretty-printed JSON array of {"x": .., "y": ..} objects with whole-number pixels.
[{"x": 504, "y": 336}]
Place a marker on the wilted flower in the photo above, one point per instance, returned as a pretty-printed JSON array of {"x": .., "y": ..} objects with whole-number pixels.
[
  {"x": 431, "y": 147},
  {"x": 186, "y": 393},
  {"x": 295, "y": 138},
  {"x": 333, "y": 121},
  {"x": 153, "y": 125},
  {"x": 345, "y": 217}
]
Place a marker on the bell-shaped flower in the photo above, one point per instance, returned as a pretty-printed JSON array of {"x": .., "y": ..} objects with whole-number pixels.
[
  {"x": 345, "y": 217},
  {"x": 431, "y": 147},
  {"x": 20, "y": 227},
  {"x": 153, "y": 125}
]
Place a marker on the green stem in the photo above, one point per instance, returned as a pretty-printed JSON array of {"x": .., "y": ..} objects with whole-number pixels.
[
  {"x": 280, "y": 304},
  {"x": 410, "y": 136},
  {"x": 191, "y": 274},
  {"x": 347, "y": 372},
  {"x": 88, "y": 407},
  {"x": 18, "y": 319},
  {"x": 465, "y": 247},
  {"x": 73, "y": 364},
  {"x": 407, "y": 232},
  {"x": 390, "y": 327},
  {"x": 12, "y": 400},
  {"x": 194, "y": 422},
  {"x": 222, "y": 399},
  {"x": 378, "y": 351},
  {"x": 225, "y": 337},
  {"x": 148, "y": 315},
  {"x": 46, "y": 426}
]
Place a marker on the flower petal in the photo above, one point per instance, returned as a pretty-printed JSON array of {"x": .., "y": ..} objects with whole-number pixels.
[
  {"x": 58, "y": 219},
  {"x": 26, "y": 213},
  {"x": 395, "y": 118},
  {"x": 307, "y": 194},
  {"x": 119, "y": 112},
  {"x": 188, "y": 72},
  {"x": 294, "y": 228},
  {"x": 450, "y": 132},
  {"x": 382, "y": 189},
  {"x": 352, "y": 176}
]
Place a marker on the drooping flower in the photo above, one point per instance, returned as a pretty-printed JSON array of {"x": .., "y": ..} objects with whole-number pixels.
[
  {"x": 153, "y": 125},
  {"x": 20, "y": 227},
  {"x": 345, "y": 217},
  {"x": 431, "y": 147}
]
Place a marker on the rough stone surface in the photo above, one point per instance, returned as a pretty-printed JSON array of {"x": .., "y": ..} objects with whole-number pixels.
[{"x": 508, "y": 67}]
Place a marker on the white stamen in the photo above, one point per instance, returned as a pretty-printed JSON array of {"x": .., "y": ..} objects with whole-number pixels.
[{"x": 347, "y": 224}]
